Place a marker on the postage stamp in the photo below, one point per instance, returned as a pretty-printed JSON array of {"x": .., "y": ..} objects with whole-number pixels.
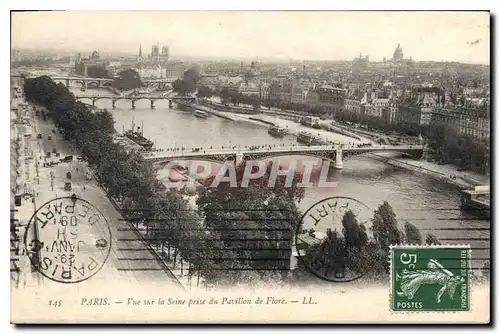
[
  {"x": 321, "y": 242},
  {"x": 68, "y": 240},
  {"x": 430, "y": 278}
]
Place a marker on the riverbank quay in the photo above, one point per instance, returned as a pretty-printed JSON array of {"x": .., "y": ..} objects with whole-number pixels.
[
  {"x": 330, "y": 127},
  {"x": 444, "y": 173},
  {"x": 113, "y": 164},
  {"x": 474, "y": 188},
  {"x": 114, "y": 90},
  {"x": 205, "y": 109},
  {"x": 129, "y": 259},
  {"x": 226, "y": 107},
  {"x": 294, "y": 128}
]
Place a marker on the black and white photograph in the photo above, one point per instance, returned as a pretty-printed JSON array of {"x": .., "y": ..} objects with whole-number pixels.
[{"x": 322, "y": 167}]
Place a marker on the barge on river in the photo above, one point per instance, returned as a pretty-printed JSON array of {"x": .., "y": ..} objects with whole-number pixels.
[
  {"x": 276, "y": 131},
  {"x": 476, "y": 200},
  {"x": 200, "y": 114},
  {"x": 138, "y": 138},
  {"x": 311, "y": 121},
  {"x": 309, "y": 139}
]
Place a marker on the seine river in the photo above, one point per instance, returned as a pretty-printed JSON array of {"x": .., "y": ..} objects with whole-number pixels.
[{"x": 431, "y": 205}]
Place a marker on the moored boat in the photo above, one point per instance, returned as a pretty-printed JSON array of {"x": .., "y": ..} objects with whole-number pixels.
[
  {"x": 308, "y": 139},
  {"x": 311, "y": 121},
  {"x": 138, "y": 138},
  {"x": 476, "y": 200},
  {"x": 276, "y": 131},
  {"x": 200, "y": 114}
]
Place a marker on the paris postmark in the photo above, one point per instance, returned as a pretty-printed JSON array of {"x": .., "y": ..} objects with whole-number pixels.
[
  {"x": 430, "y": 278},
  {"x": 320, "y": 238},
  {"x": 68, "y": 240}
]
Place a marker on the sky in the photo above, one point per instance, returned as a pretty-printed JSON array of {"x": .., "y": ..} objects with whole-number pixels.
[{"x": 299, "y": 35}]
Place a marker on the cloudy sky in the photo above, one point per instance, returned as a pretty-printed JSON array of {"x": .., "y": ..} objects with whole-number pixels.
[{"x": 314, "y": 35}]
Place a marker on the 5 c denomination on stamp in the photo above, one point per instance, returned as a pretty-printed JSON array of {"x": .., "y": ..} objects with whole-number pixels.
[
  {"x": 68, "y": 240},
  {"x": 430, "y": 278}
]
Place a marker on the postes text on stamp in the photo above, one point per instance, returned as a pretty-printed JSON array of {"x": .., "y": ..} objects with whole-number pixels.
[
  {"x": 68, "y": 240},
  {"x": 430, "y": 278}
]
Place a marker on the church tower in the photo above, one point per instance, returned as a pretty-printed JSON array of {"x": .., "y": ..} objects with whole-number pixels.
[{"x": 139, "y": 57}]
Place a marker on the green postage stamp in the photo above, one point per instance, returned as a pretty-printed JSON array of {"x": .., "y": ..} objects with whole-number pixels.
[{"x": 430, "y": 278}]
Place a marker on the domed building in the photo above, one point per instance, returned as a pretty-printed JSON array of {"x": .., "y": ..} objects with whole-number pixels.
[
  {"x": 91, "y": 66},
  {"x": 398, "y": 54},
  {"x": 252, "y": 74},
  {"x": 95, "y": 56}
]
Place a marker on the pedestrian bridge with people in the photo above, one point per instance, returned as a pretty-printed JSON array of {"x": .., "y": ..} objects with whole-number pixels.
[{"x": 336, "y": 153}]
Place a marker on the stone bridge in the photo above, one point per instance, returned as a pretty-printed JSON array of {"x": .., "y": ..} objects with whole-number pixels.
[
  {"x": 102, "y": 82},
  {"x": 333, "y": 153},
  {"x": 134, "y": 98}
]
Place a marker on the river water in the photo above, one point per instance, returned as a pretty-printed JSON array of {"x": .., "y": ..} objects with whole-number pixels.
[{"x": 431, "y": 205}]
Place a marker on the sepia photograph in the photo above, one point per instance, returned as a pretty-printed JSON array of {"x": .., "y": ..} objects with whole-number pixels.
[{"x": 260, "y": 167}]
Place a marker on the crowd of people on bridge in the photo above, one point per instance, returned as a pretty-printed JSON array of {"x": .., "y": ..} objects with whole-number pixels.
[{"x": 267, "y": 147}]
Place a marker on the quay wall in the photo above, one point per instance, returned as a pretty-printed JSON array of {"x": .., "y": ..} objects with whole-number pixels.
[
  {"x": 421, "y": 170},
  {"x": 206, "y": 109}
]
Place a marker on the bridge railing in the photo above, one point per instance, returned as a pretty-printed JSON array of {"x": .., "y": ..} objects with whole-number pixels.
[{"x": 277, "y": 149}]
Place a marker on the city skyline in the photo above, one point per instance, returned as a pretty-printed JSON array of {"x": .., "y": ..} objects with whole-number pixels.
[{"x": 424, "y": 36}]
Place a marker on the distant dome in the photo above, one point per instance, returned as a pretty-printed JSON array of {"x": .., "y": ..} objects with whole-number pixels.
[
  {"x": 95, "y": 55},
  {"x": 251, "y": 74},
  {"x": 398, "y": 53}
]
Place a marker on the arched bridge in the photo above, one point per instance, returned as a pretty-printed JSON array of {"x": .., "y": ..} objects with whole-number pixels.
[
  {"x": 334, "y": 153},
  {"x": 134, "y": 98},
  {"x": 103, "y": 82}
]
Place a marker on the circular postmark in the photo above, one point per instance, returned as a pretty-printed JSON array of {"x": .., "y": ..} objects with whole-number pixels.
[
  {"x": 329, "y": 235},
  {"x": 68, "y": 240}
]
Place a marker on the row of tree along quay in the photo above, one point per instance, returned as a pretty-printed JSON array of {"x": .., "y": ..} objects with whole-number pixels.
[
  {"x": 216, "y": 239},
  {"x": 236, "y": 234}
]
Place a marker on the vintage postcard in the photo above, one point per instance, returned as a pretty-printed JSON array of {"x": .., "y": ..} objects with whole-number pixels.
[{"x": 250, "y": 167}]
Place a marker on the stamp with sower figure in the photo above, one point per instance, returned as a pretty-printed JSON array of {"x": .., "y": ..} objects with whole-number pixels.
[
  {"x": 68, "y": 240},
  {"x": 430, "y": 278}
]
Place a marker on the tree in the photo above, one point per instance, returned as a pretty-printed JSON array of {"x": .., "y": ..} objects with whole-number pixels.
[
  {"x": 355, "y": 235},
  {"x": 192, "y": 75},
  {"x": 254, "y": 224},
  {"x": 125, "y": 176},
  {"x": 105, "y": 121},
  {"x": 97, "y": 72},
  {"x": 188, "y": 83},
  {"x": 204, "y": 91},
  {"x": 225, "y": 94},
  {"x": 431, "y": 239},
  {"x": 256, "y": 103},
  {"x": 385, "y": 227},
  {"x": 128, "y": 79},
  {"x": 412, "y": 234}
]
